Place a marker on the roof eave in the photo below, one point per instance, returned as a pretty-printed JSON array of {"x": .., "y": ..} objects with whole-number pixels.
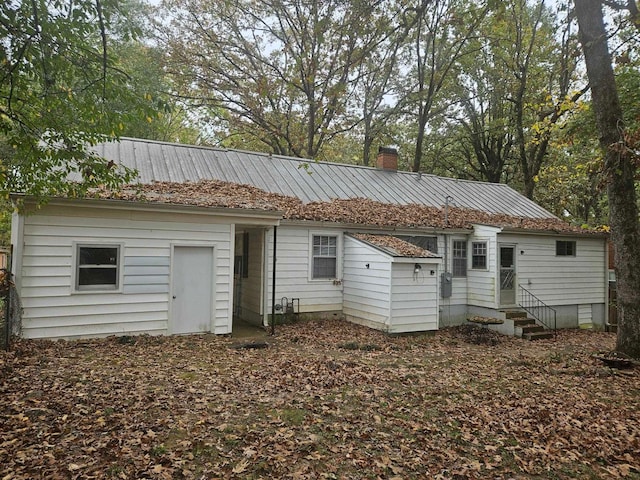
[
  {"x": 396, "y": 230},
  {"x": 558, "y": 233},
  {"x": 271, "y": 217}
]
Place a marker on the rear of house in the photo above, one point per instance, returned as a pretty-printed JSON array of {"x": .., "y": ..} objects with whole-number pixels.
[{"x": 170, "y": 263}]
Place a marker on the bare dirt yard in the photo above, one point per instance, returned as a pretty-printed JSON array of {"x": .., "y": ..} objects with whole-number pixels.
[{"x": 325, "y": 400}]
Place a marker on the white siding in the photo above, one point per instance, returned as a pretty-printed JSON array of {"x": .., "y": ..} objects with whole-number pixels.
[
  {"x": 53, "y": 309},
  {"x": 414, "y": 298},
  {"x": 482, "y": 284},
  {"x": 366, "y": 290},
  {"x": 560, "y": 280},
  {"x": 293, "y": 277}
]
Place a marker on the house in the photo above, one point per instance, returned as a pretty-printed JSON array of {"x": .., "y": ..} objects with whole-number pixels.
[{"x": 208, "y": 233}]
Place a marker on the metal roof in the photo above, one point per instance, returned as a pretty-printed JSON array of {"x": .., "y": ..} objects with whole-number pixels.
[{"x": 312, "y": 181}]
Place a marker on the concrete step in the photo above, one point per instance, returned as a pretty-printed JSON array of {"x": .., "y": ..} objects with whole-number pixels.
[
  {"x": 515, "y": 314},
  {"x": 532, "y": 328},
  {"x": 521, "y": 322},
  {"x": 538, "y": 335}
]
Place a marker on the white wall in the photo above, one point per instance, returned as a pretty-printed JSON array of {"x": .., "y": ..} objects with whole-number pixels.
[
  {"x": 560, "y": 280},
  {"x": 482, "y": 284},
  {"x": 293, "y": 270},
  {"x": 366, "y": 290},
  {"x": 53, "y": 309},
  {"x": 414, "y": 297}
]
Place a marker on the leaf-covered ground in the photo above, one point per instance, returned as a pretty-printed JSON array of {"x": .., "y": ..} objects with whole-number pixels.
[{"x": 325, "y": 400}]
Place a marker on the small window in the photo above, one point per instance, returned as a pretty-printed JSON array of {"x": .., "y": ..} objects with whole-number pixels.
[
  {"x": 97, "y": 267},
  {"x": 459, "y": 258},
  {"x": 479, "y": 255},
  {"x": 325, "y": 255},
  {"x": 565, "y": 248}
]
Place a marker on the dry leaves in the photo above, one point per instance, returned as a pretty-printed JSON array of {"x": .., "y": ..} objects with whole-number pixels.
[
  {"x": 311, "y": 406},
  {"x": 361, "y": 211}
]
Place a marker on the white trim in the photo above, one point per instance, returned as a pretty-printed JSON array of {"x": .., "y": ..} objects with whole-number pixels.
[
  {"x": 451, "y": 249},
  {"x": 214, "y": 264},
  {"x": 486, "y": 242},
  {"x": 232, "y": 267},
  {"x": 75, "y": 245},
  {"x": 339, "y": 254}
]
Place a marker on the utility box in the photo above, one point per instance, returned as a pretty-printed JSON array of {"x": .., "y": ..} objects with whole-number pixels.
[{"x": 445, "y": 284}]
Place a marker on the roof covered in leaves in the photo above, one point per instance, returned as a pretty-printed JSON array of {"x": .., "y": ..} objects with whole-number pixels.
[
  {"x": 359, "y": 211},
  {"x": 394, "y": 246},
  {"x": 311, "y": 181}
]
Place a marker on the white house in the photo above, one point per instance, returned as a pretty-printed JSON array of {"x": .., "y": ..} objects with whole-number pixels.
[{"x": 196, "y": 249}]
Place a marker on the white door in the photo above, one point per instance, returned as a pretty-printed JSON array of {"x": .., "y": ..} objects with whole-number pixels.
[{"x": 192, "y": 289}]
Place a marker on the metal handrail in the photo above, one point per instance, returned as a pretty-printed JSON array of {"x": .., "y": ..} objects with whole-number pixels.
[{"x": 540, "y": 311}]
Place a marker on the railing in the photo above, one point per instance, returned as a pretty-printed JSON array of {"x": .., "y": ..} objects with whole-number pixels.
[{"x": 539, "y": 310}]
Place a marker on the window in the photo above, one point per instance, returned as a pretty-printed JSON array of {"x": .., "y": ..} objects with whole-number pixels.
[
  {"x": 459, "y": 258},
  {"x": 325, "y": 255},
  {"x": 97, "y": 267},
  {"x": 479, "y": 255},
  {"x": 428, "y": 243},
  {"x": 565, "y": 248}
]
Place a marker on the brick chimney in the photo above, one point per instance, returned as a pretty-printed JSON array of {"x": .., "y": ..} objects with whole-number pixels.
[{"x": 387, "y": 158}]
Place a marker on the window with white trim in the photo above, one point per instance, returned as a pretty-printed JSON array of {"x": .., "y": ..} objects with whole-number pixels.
[
  {"x": 459, "y": 258},
  {"x": 324, "y": 256},
  {"x": 97, "y": 267},
  {"x": 479, "y": 255},
  {"x": 565, "y": 248}
]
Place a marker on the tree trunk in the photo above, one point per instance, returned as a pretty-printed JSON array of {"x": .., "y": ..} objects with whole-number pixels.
[{"x": 620, "y": 171}]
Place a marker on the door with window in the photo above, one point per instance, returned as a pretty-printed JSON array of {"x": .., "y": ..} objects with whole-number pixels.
[
  {"x": 192, "y": 282},
  {"x": 507, "y": 262}
]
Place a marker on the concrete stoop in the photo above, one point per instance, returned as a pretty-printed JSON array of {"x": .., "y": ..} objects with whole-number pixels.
[{"x": 526, "y": 327}]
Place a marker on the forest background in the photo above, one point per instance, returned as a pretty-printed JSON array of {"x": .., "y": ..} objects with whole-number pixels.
[{"x": 483, "y": 90}]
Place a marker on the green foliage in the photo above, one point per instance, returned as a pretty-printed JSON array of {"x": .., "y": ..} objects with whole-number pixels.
[{"x": 59, "y": 83}]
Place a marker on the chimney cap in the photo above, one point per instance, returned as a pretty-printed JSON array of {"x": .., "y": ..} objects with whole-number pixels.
[{"x": 391, "y": 150}]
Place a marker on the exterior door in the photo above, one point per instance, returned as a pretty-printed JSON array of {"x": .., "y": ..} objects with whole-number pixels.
[
  {"x": 507, "y": 275},
  {"x": 192, "y": 283}
]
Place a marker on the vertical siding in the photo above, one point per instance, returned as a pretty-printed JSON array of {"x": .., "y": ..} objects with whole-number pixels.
[
  {"x": 414, "y": 298},
  {"x": 53, "y": 309},
  {"x": 559, "y": 280},
  {"x": 293, "y": 277},
  {"x": 366, "y": 290},
  {"x": 482, "y": 284}
]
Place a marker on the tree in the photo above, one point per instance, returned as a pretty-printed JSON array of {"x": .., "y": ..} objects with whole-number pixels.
[
  {"x": 278, "y": 71},
  {"x": 620, "y": 155},
  {"x": 440, "y": 34},
  {"x": 56, "y": 79}
]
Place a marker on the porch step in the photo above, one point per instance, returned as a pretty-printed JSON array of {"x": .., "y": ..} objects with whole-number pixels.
[
  {"x": 537, "y": 335},
  {"x": 532, "y": 328},
  {"x": 523, "y": 321},
  {"x": 511, "y": 314}
]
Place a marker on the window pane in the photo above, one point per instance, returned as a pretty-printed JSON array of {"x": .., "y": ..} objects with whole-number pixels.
[
  {"x": 324, "y": 268},
  {"x": 565, "y": 248},
  {"x": 98, "y": 256},
  {"x": 459, "y": 258},
  {"x": 97, "y": 276},
  {"x": 459, "y": 267},
  {"x": 479, "y": 255}
]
